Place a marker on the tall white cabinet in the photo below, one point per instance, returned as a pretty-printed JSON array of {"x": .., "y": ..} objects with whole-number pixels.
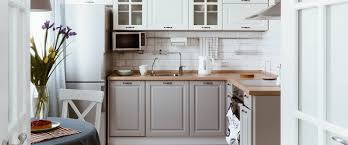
[
  {"x": 167, "y": 14},
  {"x": 205, "y": 14}
]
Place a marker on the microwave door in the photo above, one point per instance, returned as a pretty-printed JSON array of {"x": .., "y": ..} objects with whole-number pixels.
[{"x": 127, "y": 42}]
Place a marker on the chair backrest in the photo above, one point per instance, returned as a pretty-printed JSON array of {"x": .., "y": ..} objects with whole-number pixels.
[{"x": 95, "y": 97}]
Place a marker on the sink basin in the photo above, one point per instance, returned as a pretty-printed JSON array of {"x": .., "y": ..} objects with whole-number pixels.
[
  {"x": 259, "y": 83},
  {"x": 165, "y": 75}
]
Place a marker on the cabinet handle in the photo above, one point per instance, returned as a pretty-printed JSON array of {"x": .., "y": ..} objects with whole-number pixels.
[
  {"x": 167, "y": 83},
  {"x": 206, "y": 27},
  {"x": 168, "y": 27},
  {"x": 244, "y": 111},
  {"x": 245, "y": 27},
  {"x": 245, "y": 0},
  {"x": 207, "y": 83},
  {"x": 127, "y": 83},
  {"x": 130, "y": 27},
  {"x": 339, "y": 140}
]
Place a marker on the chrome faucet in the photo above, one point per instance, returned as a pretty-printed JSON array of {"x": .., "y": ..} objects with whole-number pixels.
[
  {"x": 153, "y": 64},
  {"x": 181, "y": 71}
]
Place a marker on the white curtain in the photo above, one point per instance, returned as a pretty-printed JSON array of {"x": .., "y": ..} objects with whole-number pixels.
[{"x": 57, "y": 80}]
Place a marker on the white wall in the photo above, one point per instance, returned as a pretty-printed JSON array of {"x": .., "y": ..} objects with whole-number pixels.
[{"x": 266, "y": 44}]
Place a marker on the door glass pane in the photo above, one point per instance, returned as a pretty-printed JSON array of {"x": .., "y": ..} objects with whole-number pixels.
[
  {"x": 200, "y": 1},
  {"x": 137, "y": 15},
  {"x": 335, "y": 139},
  {"x": 337, "y": 68},
  {"x": 212, "y": 8},
  {"x": 199, "y": 14},
  {"x": 123, "y": 0},
  {"x": 137, "y": 0},
  {"x": 308, "y": 61},
  {"x": 212, "y": 14},
  {"x": 212, "y": 1},
  {"x": 123, "y": 8},
  {"x": 307, "y": 133},
  {"x": 123, "y": 18},
  {"x": 123, "y": 14}
]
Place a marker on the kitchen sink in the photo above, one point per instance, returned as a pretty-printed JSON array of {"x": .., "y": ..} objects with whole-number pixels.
[{"x": 259, "y": 83}]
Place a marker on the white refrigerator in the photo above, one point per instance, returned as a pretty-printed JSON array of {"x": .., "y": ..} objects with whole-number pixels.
[{"x": 89, "y": 59}]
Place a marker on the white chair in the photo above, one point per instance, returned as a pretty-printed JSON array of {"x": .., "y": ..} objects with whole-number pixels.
[{"x": 95, "y": 97}]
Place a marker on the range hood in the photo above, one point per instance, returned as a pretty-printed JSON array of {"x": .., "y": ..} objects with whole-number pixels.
[{"x": 271, "y": 13}]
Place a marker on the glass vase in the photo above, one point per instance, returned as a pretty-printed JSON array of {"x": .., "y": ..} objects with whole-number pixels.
[{"x": 42, "y": 103}]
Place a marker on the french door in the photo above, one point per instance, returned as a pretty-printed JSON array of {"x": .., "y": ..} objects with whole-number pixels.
[
  {"x": 14, "y": 72},
  {"x": 314, "y": 74}
]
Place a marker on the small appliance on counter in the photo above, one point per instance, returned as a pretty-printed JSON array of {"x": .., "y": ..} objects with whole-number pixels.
[{"x": 204, "y": 65}]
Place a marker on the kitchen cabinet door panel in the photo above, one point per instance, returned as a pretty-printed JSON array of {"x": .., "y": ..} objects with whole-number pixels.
[
  {"x": 130, "y": 15},
  {"x": 234, "y": 17},
  {"x": 167, "y": 14},
  {"x": 127, "y": 108},
  {"x": 207, "y": 108},
  {"x": 167, "y": 108},
  {"x": 205, "y": 15}
]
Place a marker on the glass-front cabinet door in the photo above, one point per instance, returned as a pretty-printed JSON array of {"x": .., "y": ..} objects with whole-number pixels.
[
  {"x": 205, "y": 15},
  {"x": 129, "y": 14}
]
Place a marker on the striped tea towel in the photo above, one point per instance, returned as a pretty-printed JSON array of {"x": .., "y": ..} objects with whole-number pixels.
[{"x": 59, "y": 132}]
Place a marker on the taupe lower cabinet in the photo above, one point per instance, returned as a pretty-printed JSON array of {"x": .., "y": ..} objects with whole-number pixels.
[
  {"x": 207, "y": 108},
  {"x": 127, "y": 108},
  {"x": 167, "y": 108}
]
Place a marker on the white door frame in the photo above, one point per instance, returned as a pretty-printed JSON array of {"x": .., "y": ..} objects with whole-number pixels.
[
  {"x": 289, "y": 102},
  {"x": 3, "y": 72},
  {"x": 15, "y": 71}
]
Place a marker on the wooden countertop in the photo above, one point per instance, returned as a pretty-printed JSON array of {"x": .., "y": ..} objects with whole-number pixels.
[{"x": 232, "y": 77}]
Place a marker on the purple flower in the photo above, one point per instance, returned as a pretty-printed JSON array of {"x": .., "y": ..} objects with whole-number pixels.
[
  {"x": 62, "y": 30},
  {"x": 67, "y": 35},
  {"x": 47, "y": 25}
]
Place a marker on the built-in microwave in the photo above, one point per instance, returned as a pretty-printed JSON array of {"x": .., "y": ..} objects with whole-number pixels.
[{"x": 127, "y": 41}]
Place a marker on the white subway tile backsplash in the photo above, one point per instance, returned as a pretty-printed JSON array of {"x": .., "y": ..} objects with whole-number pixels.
[{"x": 266, "y": 44}]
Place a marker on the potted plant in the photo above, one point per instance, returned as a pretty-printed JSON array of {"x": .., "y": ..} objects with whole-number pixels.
[{"x": 43, "y": 64}]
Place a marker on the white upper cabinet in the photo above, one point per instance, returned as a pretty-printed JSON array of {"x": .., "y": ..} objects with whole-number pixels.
[
  {"x": 130, "y": 14},
  {"x": 235, "y": 14},
  {"x": 106, "y": 2},
  {"x": 167, "y": 15},
  {"x": 205, "y": 14},
  {"x": 246, "y": 1}
]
